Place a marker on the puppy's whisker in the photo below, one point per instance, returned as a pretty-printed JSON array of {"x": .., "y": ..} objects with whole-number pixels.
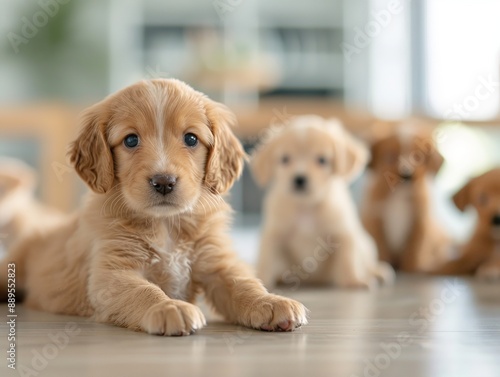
[
  {"x": 203, "y": 206},
  {"x": 109, "y": 201},
  {"x": 211, "y": 200},
  {"x": 115, "y": 204}
]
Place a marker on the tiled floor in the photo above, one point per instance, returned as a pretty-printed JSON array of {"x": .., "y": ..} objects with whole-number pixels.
[{"x": 420, "y": 327}]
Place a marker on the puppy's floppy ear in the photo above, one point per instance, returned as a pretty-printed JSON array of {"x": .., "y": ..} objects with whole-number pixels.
[
  {"x": 434, "y": 160},
  {"x": 351, "y": 155},
  {"x": 261, "y": 162},
  {"x": 16, "y": 175},
  {"x": 226, "y": 156},
  {"x": 463, "y": 196},
  {"x": 373, "y": 154},
  {"x": 90, "y": 153}
]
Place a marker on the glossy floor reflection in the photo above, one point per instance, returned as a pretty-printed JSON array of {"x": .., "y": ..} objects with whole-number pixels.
[{"x": 419, "y": 327}]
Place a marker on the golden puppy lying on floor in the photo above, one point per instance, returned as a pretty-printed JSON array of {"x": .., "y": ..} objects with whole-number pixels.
[
  {"x": 312, "y": 232},
  {"x": 481, "y": 254},
  {"x": 20, "y": 212},
  {"x": 158, "y": 156},
  {"x": 397, "y": 210}
]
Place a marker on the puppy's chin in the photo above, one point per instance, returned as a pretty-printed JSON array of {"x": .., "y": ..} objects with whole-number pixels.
[
  {"x": 165, "y": 210},
  {"x": 307, "y": 196},
  {"x": 160, "y": 208}
]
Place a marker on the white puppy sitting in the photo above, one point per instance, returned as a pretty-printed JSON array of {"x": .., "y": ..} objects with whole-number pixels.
[{"x": 312, "y": 232}]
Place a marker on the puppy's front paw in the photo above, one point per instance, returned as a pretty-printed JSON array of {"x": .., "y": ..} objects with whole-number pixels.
[
  {"x": 275, "y": 313},
  {"x": 173, "y": 318},
  {"x": 488, "y": 273},
  {"x": 385, "y": 273}
]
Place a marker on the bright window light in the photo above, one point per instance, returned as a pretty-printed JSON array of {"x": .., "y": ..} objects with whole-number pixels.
[{"x": 462, "y": 40}]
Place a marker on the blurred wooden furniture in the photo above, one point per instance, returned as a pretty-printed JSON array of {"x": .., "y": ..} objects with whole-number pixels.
[
  {"x": 52, "y": 126},
  {"x": 276, "y": 111},
  {"x": 253, "y": 121}
]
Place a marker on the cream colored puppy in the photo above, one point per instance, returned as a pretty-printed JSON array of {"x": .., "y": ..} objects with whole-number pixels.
[
  {"x": 312, "y": 232},
  {"x": 20, "y": 213}
]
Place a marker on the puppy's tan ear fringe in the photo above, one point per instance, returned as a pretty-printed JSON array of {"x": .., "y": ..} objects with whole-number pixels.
[
  {"x": 462, "y": 197},
  {"x": 352, "y": 155},
  {"x": 226, "y": 157},
  {"x": 261, "y": 162},
  {"x": 90, "y": 153},
  {"x": 435, "y": 161}
]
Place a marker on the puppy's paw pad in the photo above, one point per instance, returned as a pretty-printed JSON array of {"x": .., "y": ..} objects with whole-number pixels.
[
  {"x": 173, "y": 318},
  {"x": 276, "y": 313}
]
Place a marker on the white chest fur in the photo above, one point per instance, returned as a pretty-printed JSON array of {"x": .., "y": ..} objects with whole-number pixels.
[
  {"x": 302, "y": 234},
  {"x": 172, "y": 270},
  {"x": 397, "y": 217}
]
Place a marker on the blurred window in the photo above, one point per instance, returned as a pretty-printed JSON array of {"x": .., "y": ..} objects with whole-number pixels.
[{"x": 461, "y": 55}]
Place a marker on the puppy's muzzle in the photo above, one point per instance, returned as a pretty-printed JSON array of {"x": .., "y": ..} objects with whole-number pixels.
[
  {"x": 300, "y": 183},
  {"x": 495, "y": 220},
  {"x": 163, "y": 184}
]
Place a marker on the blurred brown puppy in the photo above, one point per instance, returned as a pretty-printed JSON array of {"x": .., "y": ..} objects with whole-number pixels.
[
  {"x": 481, "y": 254},
  {"x": 312, "y": 232},
  {"x": 20, "y": 212},
  {"x": 397, "y": 210},
  {"x": 157, "y": 155}
]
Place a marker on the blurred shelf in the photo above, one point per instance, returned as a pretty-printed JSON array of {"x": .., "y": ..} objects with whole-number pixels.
[{"x": 276, "y": 110}]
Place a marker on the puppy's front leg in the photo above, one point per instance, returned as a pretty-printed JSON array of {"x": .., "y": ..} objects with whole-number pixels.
[
  {"x": 240, "y": 297},
  {"x": 124, "y": 297},
  {"x": 375, "y": 227},
  {"x": 347, "y": 265}
]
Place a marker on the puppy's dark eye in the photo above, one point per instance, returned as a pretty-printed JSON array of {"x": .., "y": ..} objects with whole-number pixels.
[
  {"x": 285, "y": 160},
  {"x": 321, "y": 160},
  {"x": 191, "y": 140},
  {"x": 131, "y": 141}
]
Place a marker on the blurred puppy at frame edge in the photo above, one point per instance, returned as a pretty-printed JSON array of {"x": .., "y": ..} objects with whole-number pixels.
[
  {"x": 308, "y": 210},
  {"x": 481, "y": 254},
  {"x": 20, "y": 213},
  {"x": 157, "y": 155},
  {"x": 397, "y": 208}
]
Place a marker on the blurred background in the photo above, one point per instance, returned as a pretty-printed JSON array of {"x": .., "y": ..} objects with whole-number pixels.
[{"x": 360, "y": 60}]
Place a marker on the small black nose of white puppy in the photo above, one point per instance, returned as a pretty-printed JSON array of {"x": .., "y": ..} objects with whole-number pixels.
[
  {"x": 163, "y": 184},
  {"x": 300, "y": 182},
  {"x": 495, "y": 220}
]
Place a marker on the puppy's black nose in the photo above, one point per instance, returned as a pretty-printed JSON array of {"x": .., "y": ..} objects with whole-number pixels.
[
  {"x": 406, "y": 176},
  {"x": 495, "y": 220},
  {"x": 300, "y": 182},
  {"x": 163, "y": 184}
]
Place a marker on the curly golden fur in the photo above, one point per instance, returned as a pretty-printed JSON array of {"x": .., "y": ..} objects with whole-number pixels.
[{"x": 136, "y": 256}]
